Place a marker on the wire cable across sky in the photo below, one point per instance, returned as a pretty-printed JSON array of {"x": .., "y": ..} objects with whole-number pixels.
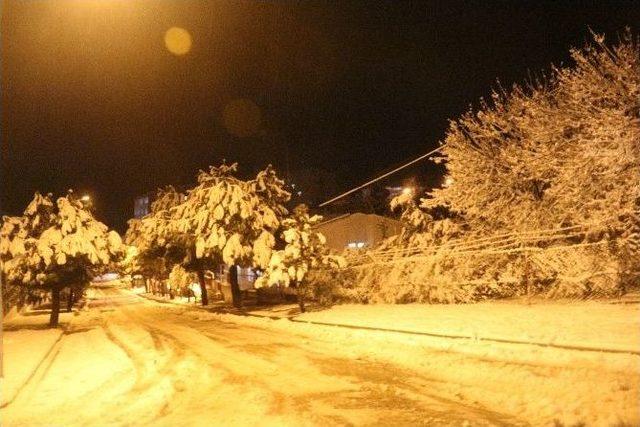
[{"x": 417, "y": 159}]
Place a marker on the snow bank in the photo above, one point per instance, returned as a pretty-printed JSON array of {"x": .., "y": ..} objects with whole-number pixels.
[{"x": 584, "y": 324}]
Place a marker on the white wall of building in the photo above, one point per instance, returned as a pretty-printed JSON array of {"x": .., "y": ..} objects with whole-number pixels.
[{"x": 358, "y": 230}]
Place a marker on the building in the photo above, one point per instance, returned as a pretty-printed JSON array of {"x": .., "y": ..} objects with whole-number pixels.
[
  {"x": 142, "y": 205},
  {"x": 358, "y": 230}
]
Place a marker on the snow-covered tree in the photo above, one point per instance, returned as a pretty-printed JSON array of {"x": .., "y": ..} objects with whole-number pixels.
[
  {"x": 414, "y": 219},
  {"x": 131, "y": 265},
  {"x": 55, "y": 246},
  {"x": 228, "y": 220},
  {"x": 305, "y": 250},
  {"x": 543, "y": 193},
  {"x": 271, "y": 190},
  {"x": 559, "y": 153},
  {"x": 156, "y": 251},
  {"x": 12, "y": 295}
]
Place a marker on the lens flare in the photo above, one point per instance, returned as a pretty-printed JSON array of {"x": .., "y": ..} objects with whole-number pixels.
[{"x": 177, "y": 40}]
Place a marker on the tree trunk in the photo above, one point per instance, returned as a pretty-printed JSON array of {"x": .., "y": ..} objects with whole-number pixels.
[
  {"x": 70, "y": 300},
  {"x": 301, "y": 299},
  {"x": 55, "y": 307},
  {"x": 203, "y": 287},
  {"x": 527, "y": 277},
  {"x": 236, "y": 295}
]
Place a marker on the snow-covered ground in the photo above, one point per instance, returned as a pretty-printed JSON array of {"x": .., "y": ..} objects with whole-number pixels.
[
  {"x": 128, "y": 360},
  {"x": 23, "y": 350},
  {"x": 599, "y": 324}
]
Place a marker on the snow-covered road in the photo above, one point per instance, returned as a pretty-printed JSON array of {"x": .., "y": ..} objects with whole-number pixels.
[{"x": 129, "y": 361}]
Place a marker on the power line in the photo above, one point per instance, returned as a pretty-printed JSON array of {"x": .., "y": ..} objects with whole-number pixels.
[{"x": 380, "y": 177}]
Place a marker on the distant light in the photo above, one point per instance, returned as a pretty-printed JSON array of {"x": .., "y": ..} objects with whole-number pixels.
[
  {"x": 354, "y": 245},
  {"x": 407, "y": 190},
  {"x": 177, "y": 40},
  {"x": 86, "y": 198},
  {"x": 448, "y": 181}
]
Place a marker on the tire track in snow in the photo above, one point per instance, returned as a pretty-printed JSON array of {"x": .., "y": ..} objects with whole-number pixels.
[
  {"x": 410, "y": 394},
  {"x": 189, "y": 371},
  {"x": 238, "y": 373},
  {"x": 49, "y": 356},
  {"x": 118, "y": 331},
  {"x": 165, "y": 378},
  {"x": 26, "y": 390}
]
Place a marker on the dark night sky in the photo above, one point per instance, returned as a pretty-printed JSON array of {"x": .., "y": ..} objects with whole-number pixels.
[{"x": 92, "y": 99}]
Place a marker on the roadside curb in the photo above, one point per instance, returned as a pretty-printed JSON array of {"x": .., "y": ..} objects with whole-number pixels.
[{"x": 294, "y": 319}]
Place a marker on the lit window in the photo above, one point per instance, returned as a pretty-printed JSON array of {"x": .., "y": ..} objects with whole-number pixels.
[{"x": 355, "y": 245}]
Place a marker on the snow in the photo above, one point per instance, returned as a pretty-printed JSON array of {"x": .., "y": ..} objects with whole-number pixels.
[
  {"x": 586, "y": 324},
  {"x": 305, "y": 249},
  {"x": 153, "y": 365},
  {"x": 126, "y": 360},
  {"x": 539, "y": 385},
  {"x": 68, "y": 234},
  {"x": 23, "y": 350}
]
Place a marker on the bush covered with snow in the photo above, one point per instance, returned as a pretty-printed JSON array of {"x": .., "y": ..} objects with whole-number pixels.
[{"x": 183, "y": 283}]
